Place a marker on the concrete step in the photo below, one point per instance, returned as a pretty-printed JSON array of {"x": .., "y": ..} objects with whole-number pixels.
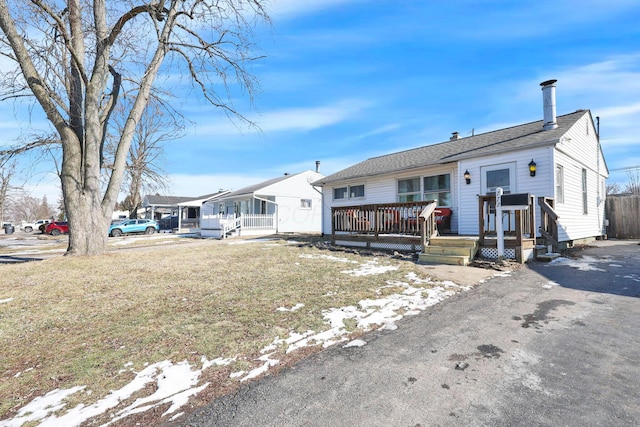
[
  {"x": 444, "y": 259},
  {"x": 548, "y": 257}
]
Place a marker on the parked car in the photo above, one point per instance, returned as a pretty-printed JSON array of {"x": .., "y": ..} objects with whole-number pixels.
[
  {"x": 146, "y": 226},
  {"x": 30, "y": 226},
  {"x": 56, "y": 228}
]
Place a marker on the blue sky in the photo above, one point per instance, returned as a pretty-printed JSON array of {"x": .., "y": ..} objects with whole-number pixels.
[{"x": 345, "y": 80}]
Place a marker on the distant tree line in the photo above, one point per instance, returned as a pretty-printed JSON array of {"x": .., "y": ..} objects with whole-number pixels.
[{"x": 631, "y": 187}]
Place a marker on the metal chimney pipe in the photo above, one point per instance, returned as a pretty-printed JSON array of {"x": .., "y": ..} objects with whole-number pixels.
[
  {"x": 317, "y": 165},
  {"x": 549, "y": 104}
]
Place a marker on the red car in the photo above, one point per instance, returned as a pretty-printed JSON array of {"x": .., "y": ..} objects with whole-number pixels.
[{"x": 55, "y": 228}]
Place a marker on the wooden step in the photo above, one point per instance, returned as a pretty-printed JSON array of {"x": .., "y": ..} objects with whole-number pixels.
[
  {"x": 454, "y": 241},
  {"x": 450, "y": 250},
  {"x": 444, "y": 259}
]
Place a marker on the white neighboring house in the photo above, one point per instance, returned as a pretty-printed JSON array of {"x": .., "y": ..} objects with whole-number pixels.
[
  {"x": 286, "y": 204},
  {"x": 565, "y": 152}
]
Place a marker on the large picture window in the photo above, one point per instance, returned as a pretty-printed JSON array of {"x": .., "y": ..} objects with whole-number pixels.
[
  {"x": 438, "y": 188},
  {"x": 409, "y": 190}
]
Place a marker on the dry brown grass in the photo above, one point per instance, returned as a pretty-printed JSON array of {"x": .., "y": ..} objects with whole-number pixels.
[{"x": 78, "y": 320}]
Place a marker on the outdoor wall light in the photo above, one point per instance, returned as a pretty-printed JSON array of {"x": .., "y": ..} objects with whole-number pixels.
[
  {"x": 467, "y": 177},
  {"x": 532, "y": 168}
]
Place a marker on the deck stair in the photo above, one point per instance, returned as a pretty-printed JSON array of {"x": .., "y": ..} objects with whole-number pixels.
[{"x": 450, "y": 250}]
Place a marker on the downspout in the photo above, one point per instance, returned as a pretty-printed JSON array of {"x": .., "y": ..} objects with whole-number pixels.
[
  {"x": 603, "y": 229},
  {"x": 270, "y": 201}
]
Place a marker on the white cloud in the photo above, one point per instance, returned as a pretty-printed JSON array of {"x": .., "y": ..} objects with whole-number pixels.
[
  {"x": 292, "y": 119},
  {"x": 199, "y": 185},
  {"x": 292, "y": 8}
]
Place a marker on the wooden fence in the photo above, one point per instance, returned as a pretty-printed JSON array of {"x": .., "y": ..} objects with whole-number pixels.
[{"x": 623, "y": 213}]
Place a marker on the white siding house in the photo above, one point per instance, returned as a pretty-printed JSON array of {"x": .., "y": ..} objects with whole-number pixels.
[
  {"x": 286, "y": 204},
  {"x": 570, "y": 168}
]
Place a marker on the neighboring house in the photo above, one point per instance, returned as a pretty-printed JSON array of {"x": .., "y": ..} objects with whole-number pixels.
[
  {"x": 564, "y": 151},
  {"x": 286, "y": 204},
  {"x": 185, "y": 210}
]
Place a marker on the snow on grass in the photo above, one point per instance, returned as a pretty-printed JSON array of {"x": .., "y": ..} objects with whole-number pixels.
[
  {"x": 328, "y": 257},
  {"x": 175, "y": 383},
  {"x": 370, "y": 268},
  {"x": 294, "y": 308},
  {"x": 586, "y": 263},
  {"x": 6, "y": 300}
]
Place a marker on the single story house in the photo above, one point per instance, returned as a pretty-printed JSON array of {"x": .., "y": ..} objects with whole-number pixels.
[
  {"x": 177, "y": 212},
  {"x": 556, "y": 162},
  {"x": 286, "y": 204}
]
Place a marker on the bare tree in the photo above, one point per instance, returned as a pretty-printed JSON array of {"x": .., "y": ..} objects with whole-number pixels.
[
  {"x": 23, "y": 207},
  {"x": 74, "y": 57},
  {"x": 145, "y": 169},
  {"x": 633, "y": 185},
  {"x": 613, "y": 188},
  {"x": 6, "y": 174}
]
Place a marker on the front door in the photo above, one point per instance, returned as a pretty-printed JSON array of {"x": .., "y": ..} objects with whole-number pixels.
[{"x": 500, "y": 175}]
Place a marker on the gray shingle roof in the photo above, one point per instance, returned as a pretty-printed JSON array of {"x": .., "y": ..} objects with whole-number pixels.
[
  {"x": 256, "y": 187},
  {"x": 513, "y": 138}
]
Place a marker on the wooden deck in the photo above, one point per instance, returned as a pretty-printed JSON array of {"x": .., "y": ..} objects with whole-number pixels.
[{"x": 411, "y": 226}]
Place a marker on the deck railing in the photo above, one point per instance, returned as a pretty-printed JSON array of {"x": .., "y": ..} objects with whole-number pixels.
[
  {"x": 376, "y": 219},
  {"x": 243, "y": 221},
  {"x": 519, "y": 226},
  {"x": 548, "y": 222}
]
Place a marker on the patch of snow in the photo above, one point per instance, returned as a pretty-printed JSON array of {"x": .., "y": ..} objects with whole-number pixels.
[
  {"x": 40, "y": 407},
  {"x": 615, "y": 265},
  {"x": 370, "y": 268},
  {"x": 585, "y": 263},
  {"x": 6, "y": 300},
  {"x": 550, "y": 284},
  {"x": 328, "y": 257},
  {"x": 355, "y": 343},
  {"x": 294, "y": 308}
]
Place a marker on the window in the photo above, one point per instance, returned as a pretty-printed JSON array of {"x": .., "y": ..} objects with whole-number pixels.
[
  {"x": 585, "y": 209},
  {"x": 356, "y": 191},
  {"x": 409, "y": 190},
  {"x": 438, "y": 188},
  {"x": 559, "y": 184},
  {"x": 351, "y": 192},
  {"x": 496, "y": 176},
  {"x": 305, "y": 203},
  {"x": 340, "y": 193}
]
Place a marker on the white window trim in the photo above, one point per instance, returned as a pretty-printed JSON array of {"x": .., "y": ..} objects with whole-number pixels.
[
  {"x": 512, "y": 176},
  {"x": 559, "y": 183},
  {"x": 422, "y": 191},
  {"x": 348, "y": 196}
]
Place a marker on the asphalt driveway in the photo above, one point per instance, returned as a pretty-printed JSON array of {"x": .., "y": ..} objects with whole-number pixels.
[{"x": 550, "y": 344}]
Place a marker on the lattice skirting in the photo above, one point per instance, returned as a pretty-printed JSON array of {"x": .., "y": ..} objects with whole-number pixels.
[
  {"x": 381, "y": 246},
  {"x": 492, "y": 253}
]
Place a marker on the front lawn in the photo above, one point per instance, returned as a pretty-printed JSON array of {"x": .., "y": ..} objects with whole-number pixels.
[{"x": 136, "y": 333}]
